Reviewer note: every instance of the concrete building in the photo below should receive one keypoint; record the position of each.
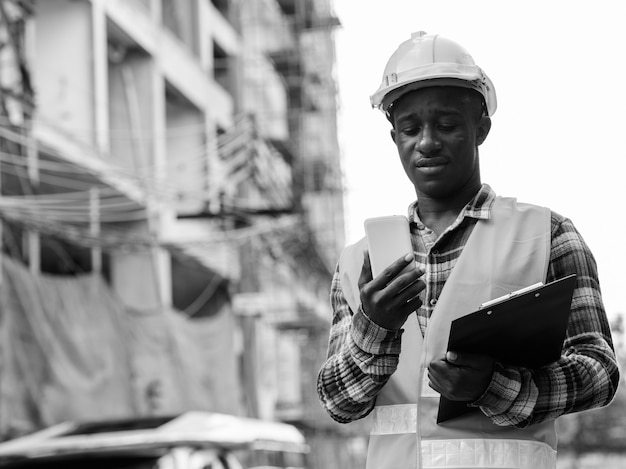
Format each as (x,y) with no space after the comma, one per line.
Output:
(185,153)
(113,141)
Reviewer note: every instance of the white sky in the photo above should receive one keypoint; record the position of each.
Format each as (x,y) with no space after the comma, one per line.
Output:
(558,138)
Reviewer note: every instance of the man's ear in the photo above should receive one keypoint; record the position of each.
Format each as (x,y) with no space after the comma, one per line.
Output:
(392,132)
(482,129)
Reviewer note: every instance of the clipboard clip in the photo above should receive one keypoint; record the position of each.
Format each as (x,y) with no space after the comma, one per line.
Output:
(508,296)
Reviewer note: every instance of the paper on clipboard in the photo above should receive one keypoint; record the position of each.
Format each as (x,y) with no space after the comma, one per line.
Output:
(511,295)
(525,329)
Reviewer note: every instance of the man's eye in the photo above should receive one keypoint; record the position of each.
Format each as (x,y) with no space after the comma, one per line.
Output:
(446,126)
(410,130)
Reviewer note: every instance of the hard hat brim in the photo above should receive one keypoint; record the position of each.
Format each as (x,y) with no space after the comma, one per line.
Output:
(394,95)
(478,81)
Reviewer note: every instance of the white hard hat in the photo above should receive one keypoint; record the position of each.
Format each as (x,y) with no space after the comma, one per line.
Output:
(431,60)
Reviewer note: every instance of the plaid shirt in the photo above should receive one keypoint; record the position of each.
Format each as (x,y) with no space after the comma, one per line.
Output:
(362,355)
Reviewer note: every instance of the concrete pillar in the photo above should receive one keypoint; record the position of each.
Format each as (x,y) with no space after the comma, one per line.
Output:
(141,279)
(63,71)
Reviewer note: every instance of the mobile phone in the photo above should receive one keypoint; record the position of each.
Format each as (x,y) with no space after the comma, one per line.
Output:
(388,238)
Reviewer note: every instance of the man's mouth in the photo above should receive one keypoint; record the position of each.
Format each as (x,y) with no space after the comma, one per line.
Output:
(431,165)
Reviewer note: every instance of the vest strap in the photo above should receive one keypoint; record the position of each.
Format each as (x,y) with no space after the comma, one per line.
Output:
(394,419)
(463,452)
(487,453)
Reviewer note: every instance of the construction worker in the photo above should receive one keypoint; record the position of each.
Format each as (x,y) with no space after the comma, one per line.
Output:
(467,243)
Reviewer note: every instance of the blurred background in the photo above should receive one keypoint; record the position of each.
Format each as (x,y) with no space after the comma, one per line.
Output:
(175,191)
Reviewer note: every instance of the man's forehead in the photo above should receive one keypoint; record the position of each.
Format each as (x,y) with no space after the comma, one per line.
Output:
(434,102)
(448,94)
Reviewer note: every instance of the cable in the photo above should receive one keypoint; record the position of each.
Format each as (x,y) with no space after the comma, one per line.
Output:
(254,158)
(204,296)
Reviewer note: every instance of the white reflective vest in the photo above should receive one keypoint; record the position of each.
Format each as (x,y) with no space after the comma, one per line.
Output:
(509,251)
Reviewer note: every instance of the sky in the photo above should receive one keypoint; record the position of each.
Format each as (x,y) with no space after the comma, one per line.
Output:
(558,137)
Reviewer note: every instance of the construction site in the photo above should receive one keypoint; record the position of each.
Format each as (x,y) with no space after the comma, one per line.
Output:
(171,205)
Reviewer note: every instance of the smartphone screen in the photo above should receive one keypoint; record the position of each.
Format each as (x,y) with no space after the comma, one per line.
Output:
(388,238)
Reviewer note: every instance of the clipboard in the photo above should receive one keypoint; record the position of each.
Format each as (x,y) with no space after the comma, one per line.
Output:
(525,328)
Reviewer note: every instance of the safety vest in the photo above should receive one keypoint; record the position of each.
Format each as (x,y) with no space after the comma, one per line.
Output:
(507,252)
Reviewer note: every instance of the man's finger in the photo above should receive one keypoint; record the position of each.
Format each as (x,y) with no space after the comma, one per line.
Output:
(406,284)
(406,288)
(469,360)
(391,272)
(366,270)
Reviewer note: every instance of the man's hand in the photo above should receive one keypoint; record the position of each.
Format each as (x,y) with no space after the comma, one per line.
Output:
(392,296)
(461,377)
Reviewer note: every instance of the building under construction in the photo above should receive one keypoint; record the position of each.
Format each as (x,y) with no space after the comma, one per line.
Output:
(172,207)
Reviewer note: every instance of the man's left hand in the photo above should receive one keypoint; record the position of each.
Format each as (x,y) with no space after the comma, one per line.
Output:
(461,376)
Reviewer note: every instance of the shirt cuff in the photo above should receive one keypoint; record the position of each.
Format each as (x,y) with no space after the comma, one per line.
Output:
(500,394)
(374,339)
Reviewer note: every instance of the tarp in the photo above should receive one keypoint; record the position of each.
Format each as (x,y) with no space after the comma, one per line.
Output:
(70,350)
(181,364)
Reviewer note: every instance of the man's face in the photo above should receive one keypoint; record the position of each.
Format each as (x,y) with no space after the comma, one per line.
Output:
(437,131)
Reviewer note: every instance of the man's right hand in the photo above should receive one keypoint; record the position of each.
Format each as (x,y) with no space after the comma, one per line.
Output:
(392,296)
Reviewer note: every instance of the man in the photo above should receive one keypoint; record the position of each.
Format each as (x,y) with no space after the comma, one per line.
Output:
(470,246)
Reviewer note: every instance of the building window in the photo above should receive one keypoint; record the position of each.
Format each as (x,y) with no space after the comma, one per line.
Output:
(222,6)
(181,18)
(222,68)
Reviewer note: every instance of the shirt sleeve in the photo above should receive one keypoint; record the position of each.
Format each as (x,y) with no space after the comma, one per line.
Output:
(587,375)
(361,358)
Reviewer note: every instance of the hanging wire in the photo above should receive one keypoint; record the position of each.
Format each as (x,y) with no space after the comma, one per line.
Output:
(204,296)
(242,155)
(237,144)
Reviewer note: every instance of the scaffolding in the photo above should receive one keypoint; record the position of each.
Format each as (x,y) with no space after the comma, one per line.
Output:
(16,110)
(288,79)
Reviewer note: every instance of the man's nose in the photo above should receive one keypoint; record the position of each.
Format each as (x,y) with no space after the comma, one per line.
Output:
(428,142)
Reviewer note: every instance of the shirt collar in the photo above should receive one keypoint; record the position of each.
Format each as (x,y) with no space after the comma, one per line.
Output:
(479,207)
